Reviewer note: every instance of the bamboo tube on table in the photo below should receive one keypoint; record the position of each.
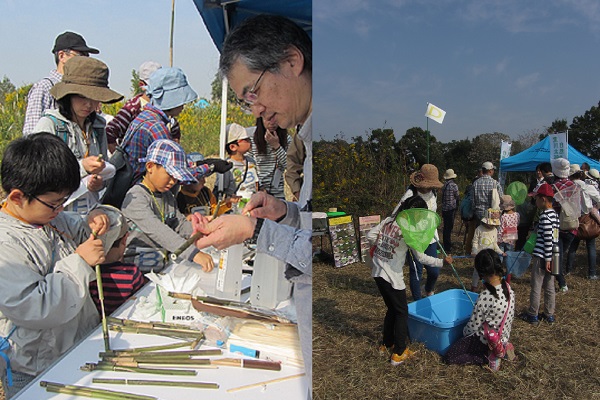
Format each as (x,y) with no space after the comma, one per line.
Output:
(92,392)
(149,382)
(89,367)
(246,363)
(120,353)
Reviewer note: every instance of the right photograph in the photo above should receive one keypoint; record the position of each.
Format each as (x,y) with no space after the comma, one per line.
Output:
(455,200)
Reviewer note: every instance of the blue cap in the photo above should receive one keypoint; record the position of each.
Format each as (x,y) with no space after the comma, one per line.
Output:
(172,158)
(168,88)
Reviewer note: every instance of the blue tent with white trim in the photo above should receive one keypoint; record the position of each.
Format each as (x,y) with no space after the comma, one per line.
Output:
(528,159)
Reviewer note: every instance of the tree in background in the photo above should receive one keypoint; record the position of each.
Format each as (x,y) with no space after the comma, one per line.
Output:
(6,87)
(217,88)
(414,144)
(584,131)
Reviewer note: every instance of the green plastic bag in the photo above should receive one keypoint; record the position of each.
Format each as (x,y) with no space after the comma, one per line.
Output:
(418,227)
(530,243)
(518,191)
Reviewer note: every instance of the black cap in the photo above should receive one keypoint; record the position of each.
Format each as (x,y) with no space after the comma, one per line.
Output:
(72,41)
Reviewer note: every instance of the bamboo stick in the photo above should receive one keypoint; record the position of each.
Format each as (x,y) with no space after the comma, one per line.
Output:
(246,363)
(159,364)
(253,385)
(92,392)
(89,367)
(200,385)
(151,348)
(173,333)
(207,352)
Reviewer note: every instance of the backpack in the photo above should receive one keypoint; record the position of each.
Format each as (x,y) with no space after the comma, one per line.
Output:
(570,206)
(467,208)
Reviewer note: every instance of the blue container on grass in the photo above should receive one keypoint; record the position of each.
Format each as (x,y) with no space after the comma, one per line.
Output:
(438,320)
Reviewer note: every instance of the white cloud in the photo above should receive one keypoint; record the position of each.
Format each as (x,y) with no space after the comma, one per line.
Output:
(527,81)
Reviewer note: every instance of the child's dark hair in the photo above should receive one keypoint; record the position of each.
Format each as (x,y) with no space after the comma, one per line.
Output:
(38,164)
(488,263)
(261,142)
(414,201)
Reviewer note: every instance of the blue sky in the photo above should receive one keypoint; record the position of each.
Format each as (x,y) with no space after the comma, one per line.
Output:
(507,66)
(127,33)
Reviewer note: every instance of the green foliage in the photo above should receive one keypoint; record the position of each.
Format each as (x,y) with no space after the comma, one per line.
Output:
(200,127)
(583,134)
(12,115)
(6,87)
(217,88)
(135,83)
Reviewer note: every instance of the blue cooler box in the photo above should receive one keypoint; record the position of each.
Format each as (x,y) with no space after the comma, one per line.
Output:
(438,320)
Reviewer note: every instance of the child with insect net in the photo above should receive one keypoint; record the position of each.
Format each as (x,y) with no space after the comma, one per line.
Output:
(388,255)
(486,335)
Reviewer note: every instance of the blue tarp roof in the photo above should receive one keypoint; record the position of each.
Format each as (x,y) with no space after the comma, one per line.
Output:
(528,159)
(300,11)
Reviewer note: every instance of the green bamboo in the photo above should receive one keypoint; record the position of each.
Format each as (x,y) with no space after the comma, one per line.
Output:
(92,392)
(101,297)
(173,333)
(200,385)
(177,345)
(208,352)
(158,360)
(89,367)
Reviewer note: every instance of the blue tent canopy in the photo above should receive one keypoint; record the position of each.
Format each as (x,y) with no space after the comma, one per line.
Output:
(213,13)
(528,159)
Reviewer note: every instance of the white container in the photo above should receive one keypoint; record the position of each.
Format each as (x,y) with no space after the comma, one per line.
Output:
(269,286)
(229,274)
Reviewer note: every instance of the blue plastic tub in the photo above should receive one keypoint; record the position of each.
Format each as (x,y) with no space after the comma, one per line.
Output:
(438,320)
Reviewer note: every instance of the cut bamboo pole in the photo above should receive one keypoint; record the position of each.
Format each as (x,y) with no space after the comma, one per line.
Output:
(92,392)
(150,382)
(246,363)
(89,367)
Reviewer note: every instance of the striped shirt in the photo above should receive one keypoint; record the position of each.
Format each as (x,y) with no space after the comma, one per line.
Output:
(271,167)
(547,234)
(39,100)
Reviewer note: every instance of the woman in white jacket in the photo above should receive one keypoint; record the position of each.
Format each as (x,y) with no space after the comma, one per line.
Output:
(388,255)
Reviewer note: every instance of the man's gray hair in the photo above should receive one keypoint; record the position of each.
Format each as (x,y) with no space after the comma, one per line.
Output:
(262,42)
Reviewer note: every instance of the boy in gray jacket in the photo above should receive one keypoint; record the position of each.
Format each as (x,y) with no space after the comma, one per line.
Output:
(47,257)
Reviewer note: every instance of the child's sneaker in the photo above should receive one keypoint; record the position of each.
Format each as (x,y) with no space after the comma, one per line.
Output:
(532,319)
(564,289)
(548,318)
(396,359)
(494,362)
(384,350)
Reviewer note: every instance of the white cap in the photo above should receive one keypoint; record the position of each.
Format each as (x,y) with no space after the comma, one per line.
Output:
(146,69)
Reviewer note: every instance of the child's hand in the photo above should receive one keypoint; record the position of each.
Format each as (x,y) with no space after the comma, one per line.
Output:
(205,260)
(91,251)
(549,266)
(96,183)
(98,222)
(448,260)
(503,254)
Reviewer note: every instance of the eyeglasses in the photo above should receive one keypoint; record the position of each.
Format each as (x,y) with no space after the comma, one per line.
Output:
(76,53)
(250,96)
(53,208)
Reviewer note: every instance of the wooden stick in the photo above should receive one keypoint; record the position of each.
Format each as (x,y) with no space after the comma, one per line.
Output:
(92,392)
(89,367)
(101,297)
(246,363)
(253,385)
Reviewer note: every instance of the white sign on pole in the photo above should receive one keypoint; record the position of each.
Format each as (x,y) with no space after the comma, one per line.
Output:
(505,148)
(558,146)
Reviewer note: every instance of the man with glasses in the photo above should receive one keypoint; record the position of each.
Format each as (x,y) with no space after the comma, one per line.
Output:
(268,61)
(66,46)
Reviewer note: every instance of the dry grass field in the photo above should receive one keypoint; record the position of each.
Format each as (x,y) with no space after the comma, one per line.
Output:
(560,361)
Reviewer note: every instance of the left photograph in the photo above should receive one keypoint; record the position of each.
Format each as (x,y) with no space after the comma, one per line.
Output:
(156,193)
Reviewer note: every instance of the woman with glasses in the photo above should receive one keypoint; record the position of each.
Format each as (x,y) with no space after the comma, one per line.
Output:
(83,87)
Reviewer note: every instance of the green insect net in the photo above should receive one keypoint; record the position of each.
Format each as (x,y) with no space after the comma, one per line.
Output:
(418,227)
(518,192)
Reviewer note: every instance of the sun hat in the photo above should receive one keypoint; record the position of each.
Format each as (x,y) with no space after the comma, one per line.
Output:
(172,157)
(146,69)
(168,88)
(487,166)
(236,132)
(507,202)
(594,173)
(193,159)
(544,189)
(491,217)
(72,41)
(87,77)
(449,174)
(573,169)
(560,167)
(426,177)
